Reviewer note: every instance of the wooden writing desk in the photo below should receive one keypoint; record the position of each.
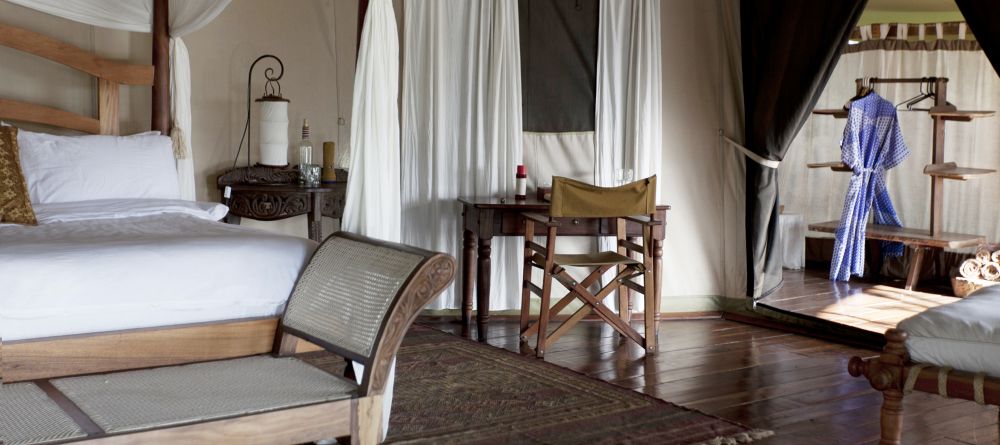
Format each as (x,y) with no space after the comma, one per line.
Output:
(484,218)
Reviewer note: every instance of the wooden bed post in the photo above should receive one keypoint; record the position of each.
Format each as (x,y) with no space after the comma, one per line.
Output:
(886,374)
(161,62)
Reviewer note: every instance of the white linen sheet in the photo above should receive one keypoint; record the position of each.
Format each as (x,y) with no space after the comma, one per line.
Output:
(107,266)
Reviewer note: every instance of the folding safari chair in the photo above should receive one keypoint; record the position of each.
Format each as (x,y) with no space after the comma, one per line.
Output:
(634,202)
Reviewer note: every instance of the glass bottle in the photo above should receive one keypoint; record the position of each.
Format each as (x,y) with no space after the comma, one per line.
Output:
(305,153)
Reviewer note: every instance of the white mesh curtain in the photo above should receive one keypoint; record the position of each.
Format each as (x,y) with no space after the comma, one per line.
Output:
(186,16)
(373,195)
(628,113)
(969,206)
(461,126)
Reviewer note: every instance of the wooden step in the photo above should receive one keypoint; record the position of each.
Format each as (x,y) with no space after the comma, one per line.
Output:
(961,115)
(838,113)
(836,166)
(949,170)
(910,237)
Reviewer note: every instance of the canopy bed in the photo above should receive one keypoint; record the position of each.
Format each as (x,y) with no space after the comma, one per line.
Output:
(108,284)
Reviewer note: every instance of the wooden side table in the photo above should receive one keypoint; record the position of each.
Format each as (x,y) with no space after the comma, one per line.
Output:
(273,193)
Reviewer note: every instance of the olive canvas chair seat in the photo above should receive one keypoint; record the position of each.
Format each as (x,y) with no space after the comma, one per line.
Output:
(635,203)
(356,298)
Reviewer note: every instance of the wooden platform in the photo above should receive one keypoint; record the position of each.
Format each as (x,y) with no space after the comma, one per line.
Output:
(857,304)
(794,385)
(914,237)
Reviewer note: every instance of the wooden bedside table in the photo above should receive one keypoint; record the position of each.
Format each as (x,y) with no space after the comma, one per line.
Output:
(273,193)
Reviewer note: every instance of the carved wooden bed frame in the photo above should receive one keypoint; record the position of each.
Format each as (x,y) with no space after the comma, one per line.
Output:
(139,348)
(894,374)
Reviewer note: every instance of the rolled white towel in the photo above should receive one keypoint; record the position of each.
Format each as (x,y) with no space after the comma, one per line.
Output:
(970,269)
(990,271)
(984,256)
(996,256)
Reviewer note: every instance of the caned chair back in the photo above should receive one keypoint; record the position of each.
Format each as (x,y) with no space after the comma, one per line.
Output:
(356,293)
(572,198)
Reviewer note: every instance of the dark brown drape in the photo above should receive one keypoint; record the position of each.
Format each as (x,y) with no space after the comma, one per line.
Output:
(789,50)
(983,17)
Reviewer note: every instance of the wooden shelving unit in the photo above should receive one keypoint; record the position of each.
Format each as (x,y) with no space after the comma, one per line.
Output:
(938,171)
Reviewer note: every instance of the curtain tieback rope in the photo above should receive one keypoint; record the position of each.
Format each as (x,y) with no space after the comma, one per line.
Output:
(746,151)
(180,145)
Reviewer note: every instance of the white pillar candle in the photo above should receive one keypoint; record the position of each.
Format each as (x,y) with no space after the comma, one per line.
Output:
(274,133)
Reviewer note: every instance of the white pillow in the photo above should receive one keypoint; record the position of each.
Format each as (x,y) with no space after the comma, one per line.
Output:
(83,168)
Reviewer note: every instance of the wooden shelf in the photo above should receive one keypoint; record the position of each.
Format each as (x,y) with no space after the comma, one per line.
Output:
(833,165)
(838,113)
(914,237)
(949,170)
(836,166)
(961,115)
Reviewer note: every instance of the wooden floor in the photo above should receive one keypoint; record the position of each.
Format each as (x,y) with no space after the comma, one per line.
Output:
(797,386)
(862,305)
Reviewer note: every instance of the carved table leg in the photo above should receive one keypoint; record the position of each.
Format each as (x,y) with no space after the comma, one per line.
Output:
(468,275)
(316,218)
(483,288)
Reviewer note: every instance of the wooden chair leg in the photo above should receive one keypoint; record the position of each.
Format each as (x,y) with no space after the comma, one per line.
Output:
(892,417)
(543,315)
(624,305)
(366,422)
(650,293)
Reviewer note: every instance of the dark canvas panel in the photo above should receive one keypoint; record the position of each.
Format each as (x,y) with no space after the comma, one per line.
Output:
(558,64)
(790,48)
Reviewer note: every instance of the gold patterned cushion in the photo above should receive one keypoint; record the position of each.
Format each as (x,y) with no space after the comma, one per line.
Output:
(15,206)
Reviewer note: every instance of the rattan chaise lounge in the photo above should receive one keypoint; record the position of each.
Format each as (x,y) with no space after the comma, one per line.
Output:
(951,350)
(356,298)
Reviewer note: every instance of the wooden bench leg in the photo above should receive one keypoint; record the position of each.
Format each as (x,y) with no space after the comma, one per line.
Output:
(916,263)
(366,423)
(892,417)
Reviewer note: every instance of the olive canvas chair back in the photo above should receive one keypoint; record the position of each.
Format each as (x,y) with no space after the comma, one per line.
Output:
(572,198)
(358,296)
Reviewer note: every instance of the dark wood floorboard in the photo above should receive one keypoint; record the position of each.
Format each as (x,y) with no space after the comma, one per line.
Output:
(859,304)
(797,386)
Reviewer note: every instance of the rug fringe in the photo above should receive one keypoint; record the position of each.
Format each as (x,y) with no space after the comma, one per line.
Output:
(744,437)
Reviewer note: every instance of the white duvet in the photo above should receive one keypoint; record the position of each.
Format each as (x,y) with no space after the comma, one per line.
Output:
(109,265)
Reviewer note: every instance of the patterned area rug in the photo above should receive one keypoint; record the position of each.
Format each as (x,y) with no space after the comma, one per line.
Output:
(450,390)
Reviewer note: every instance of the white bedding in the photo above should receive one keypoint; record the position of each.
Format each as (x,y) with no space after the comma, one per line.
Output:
(964,335)
(123,264)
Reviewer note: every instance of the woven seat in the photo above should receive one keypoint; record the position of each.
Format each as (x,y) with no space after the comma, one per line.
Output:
(357,297)
(175,395)
(28,416)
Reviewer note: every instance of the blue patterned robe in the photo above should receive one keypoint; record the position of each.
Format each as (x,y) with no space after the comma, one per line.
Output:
(872,144)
